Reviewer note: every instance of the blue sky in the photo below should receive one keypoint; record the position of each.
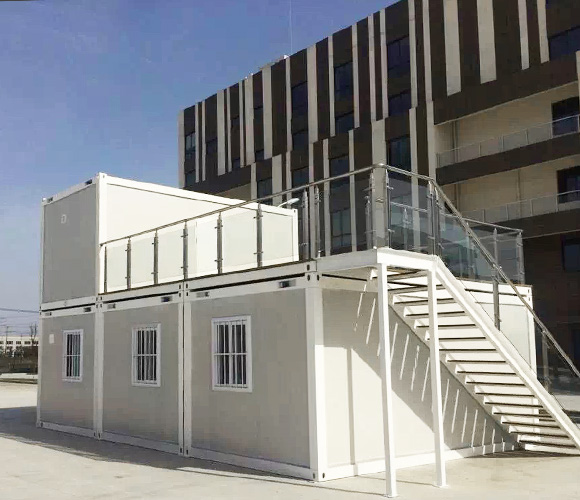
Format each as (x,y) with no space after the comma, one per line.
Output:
(89,86)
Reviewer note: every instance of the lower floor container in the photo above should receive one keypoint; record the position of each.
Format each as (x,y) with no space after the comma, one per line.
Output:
(275,369)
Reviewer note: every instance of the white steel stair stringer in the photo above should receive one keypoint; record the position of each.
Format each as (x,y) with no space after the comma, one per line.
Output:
(508,352)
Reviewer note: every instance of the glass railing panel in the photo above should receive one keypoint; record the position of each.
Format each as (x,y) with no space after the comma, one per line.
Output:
(515,140)
(491,146)
(240,237)
(116,266)
(202,246)
(564,126)
(142,260)
(540,133)
(280,240)
(170,253)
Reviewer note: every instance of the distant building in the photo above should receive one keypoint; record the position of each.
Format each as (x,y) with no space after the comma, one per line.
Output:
(10,343)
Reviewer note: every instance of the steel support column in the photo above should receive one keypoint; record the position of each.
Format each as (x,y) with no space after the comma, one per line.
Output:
(385,360)
(436,401)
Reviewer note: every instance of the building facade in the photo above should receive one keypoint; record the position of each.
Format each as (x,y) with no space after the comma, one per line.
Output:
(481,95)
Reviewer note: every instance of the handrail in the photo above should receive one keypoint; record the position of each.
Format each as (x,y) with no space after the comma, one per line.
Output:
(500,272)
(503,136)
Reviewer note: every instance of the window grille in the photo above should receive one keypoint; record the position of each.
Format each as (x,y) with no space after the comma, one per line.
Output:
(72,355)
(146,355)
(232,366)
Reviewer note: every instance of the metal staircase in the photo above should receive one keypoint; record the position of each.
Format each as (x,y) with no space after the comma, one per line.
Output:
(482,359)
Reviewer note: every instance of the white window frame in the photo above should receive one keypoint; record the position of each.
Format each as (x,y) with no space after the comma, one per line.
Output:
(134,379)
(65,336)
(248,387)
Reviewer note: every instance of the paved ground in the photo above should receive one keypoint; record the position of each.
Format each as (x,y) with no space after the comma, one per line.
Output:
(38,463)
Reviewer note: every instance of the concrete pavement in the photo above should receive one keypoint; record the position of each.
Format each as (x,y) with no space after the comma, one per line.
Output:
(39,463)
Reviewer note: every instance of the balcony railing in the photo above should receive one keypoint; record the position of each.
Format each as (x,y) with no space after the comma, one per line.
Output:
(377,206)
(560,202)
(532,135)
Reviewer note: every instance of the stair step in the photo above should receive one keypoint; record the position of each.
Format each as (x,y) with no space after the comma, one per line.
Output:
(500,384)
(543,425)
(411,289)
(456,349)
(542,418)
(462,339)
(424,302)
(446,314)
(478,361)
(542,434)
(570,443)
(505,395)
(474,372)
(515,405)
(551,448)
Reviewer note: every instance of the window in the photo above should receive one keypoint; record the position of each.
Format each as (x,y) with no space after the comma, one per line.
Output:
(565,43)
(569,185)
(300,177)
(190,146)
(259,155)
(399,103)
(211,147)
(565,116)
(231,349)
(300,139)
(27,342)
(264,188)
(344,123)
(339,204)
(235,163)
(72,358)
(398,57)
(189,178)
(18,342)
(146,355)
(343,83)
(571,254)
(300,99)
(399,153)
(235,122)
(259,114)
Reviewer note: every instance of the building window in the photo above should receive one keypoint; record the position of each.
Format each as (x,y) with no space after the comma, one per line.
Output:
(399,153)
(72,358)
(343,82)
(300,139)
(259,114)
(400,103)
(569,185)
(339,204)
(189,178)
(300,177)
(235,164)
(264,189)
(565,116)
(211,147)
(571,254)
(259,155)
(398,57)
(231,349)
(300,99)
(565,43)
(344,123)
(146,344)
(235,122)
(190,146)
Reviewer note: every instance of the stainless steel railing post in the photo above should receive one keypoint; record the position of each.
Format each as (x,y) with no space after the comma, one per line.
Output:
(219,241)
(259,241)
(128,277)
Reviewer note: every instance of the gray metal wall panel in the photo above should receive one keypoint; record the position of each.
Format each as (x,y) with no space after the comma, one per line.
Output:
(66,403)
(70,233)
(271,422)
(146,412)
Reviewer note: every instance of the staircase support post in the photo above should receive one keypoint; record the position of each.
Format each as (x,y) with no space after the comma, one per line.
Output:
(387,391)
(436,400)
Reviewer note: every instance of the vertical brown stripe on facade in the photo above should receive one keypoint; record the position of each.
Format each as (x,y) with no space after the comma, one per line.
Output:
(258,101)
(279,108)
(283,167)
(562,15)
(438,57)
(364,92)
(533,32)
(422,147)
(264,169)
(322,84)
(225,126)
(338,146)
(468,43)
(210,135)
(363,148)
(318,159)
(506,21)
(298,71)
(235,131)
(378,77)
(198,141)
(420,51)
(342,53)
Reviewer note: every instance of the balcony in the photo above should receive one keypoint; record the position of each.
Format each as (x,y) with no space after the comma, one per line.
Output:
(526,137)
(561,202)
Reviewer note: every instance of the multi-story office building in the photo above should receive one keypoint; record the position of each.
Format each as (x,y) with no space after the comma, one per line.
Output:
(480,94)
